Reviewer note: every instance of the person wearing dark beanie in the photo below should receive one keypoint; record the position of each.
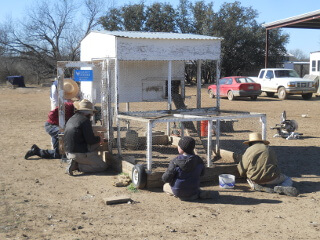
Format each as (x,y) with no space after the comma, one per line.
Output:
(182,178)
(187,144)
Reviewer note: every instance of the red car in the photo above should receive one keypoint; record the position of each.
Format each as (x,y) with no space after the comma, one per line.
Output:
(236,86)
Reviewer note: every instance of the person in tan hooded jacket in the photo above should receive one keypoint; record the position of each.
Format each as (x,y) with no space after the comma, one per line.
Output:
(259,165)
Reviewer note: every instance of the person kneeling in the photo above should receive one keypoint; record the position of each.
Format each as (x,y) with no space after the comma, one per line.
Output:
(182,178)
(81,143)
(259,165)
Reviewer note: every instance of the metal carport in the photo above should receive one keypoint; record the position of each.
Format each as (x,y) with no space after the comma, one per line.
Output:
(309,20)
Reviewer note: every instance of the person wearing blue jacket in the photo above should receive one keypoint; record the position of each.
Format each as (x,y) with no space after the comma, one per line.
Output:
(182,178)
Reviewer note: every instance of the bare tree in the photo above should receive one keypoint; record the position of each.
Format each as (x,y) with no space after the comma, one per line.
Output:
(50,32)
(299,55)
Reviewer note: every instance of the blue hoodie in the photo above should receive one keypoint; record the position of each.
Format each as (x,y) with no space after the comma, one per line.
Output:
(183,175)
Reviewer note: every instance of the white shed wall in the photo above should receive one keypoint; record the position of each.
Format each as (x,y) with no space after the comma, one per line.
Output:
(167,49)
(135,74)
(97,45)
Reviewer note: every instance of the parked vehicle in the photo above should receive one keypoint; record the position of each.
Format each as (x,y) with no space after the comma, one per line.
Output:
(284,82)
(236,86)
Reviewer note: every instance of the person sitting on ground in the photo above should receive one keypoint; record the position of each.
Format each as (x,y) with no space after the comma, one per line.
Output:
(182,178)
(52,128)
(259,165)
(81,144)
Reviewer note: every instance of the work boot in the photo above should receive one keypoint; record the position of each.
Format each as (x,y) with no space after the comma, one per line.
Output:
(261,188)
(35,150)
(72,167)
(289,191)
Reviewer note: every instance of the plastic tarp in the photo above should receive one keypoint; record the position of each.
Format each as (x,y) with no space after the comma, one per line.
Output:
(16,80)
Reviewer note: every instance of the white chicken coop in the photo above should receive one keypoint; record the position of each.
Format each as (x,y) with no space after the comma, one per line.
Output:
(132,67)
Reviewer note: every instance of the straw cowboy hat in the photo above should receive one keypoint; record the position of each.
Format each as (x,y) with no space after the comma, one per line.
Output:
(71,88)
(85,105)
(76,104)
(256,137)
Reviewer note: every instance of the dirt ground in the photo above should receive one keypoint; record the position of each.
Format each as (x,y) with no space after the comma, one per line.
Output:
(39,201)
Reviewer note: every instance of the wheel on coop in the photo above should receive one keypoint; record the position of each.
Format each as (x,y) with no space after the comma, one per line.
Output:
(139,176)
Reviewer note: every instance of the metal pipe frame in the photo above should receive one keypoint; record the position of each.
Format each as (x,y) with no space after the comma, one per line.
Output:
(187,118)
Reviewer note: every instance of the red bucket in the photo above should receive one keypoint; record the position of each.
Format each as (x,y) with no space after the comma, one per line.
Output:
(204,128)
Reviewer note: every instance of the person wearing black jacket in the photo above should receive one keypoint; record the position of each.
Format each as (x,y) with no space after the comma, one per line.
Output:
(182,178)
(80,142)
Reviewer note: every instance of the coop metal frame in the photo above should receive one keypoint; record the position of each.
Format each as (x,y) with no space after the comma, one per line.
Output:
(186,115)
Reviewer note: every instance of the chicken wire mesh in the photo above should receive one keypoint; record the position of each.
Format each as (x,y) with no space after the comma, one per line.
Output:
(143,87)
(164,146)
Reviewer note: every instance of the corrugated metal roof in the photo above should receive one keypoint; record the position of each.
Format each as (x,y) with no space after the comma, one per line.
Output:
(306,20)
(158,35)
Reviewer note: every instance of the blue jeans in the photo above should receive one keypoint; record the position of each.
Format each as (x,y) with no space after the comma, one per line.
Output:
(53,131)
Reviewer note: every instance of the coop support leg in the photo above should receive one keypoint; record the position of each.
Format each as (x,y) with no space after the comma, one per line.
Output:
(209,152)
(218,137)
(169,92)
(182,130)
(118,138)
(149,147)
(199,63)
(263,120)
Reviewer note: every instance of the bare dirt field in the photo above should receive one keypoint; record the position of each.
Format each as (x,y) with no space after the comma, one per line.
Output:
(39,201)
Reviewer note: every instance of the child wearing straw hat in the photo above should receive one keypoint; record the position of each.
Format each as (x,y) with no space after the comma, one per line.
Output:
(259,165)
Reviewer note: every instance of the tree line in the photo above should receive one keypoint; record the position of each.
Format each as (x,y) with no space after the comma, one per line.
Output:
(52,31)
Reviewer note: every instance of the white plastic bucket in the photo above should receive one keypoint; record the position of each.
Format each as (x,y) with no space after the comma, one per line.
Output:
(226,181)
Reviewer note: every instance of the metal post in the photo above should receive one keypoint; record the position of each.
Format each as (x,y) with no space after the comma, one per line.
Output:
(209,153)
(267,49)
(116,102)
(127,110)
(183,89)
(110,112)
(61,108)
(199,63)
(149,146)
(182,130)
(218,85)
(218,137)
(263,120)
(106,103)
(169,92)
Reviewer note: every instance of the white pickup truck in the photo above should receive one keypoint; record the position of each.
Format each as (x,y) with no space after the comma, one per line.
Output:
(284,82)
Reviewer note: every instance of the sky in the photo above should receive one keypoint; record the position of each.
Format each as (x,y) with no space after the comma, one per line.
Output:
(269,11)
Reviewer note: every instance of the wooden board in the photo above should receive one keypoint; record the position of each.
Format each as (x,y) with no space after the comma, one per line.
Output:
(116,200)
(127,168)
(154,180)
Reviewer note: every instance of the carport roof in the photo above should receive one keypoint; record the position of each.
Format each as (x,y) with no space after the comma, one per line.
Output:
(309,20)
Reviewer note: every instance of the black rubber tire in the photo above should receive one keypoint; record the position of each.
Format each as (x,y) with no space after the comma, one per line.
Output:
(306,96)
(139,176)
(230,96)
(282,94)
(270,94)
(211,94)
(253,98)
